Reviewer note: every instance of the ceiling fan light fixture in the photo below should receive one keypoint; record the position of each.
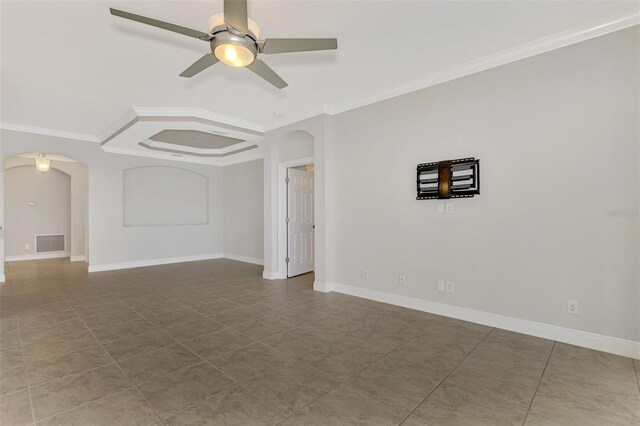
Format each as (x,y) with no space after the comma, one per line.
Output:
(233,38)
(43,164)
(234,55)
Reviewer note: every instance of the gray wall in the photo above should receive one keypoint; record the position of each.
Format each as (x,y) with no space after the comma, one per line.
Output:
(162,195)
(109,241)
(243,209)
(51,213)
(558,140)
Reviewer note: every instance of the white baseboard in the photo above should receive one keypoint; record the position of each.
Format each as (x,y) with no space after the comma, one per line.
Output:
(36,256)
(152,262)
(77,258)
(246,259)
(614,345)
(271,275)
(322,287)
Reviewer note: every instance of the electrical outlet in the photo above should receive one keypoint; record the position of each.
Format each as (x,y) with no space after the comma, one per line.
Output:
(27,246)
(365,274)
(402,279)
(450,287)
(449,208)
(572,307)
(440,285)
(440,208)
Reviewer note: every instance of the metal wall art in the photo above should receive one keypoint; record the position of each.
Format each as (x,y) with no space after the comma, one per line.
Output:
(448,179)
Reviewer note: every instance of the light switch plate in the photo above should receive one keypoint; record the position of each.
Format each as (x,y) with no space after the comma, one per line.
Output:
(441,285)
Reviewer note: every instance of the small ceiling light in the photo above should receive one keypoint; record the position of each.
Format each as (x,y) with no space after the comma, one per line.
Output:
(43,164)
(234,55)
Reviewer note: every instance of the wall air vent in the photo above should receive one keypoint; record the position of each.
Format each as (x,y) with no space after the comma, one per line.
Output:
(448,179)
(49,243)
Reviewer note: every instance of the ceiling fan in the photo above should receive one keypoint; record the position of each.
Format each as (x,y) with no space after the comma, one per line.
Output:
(233,38)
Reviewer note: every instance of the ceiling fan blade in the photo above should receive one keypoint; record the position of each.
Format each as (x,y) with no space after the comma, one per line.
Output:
(285,45)
(235,14)
(267,73)
(161,24)
(200,65)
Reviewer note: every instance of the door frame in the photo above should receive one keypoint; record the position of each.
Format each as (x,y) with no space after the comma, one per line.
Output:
(282,210)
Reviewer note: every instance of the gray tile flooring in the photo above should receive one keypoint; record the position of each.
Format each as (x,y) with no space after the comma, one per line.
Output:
(211,343)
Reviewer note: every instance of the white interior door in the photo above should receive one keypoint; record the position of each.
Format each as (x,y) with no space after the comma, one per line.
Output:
(300,227)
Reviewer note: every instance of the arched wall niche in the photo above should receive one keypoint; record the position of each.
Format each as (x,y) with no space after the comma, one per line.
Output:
(164,196)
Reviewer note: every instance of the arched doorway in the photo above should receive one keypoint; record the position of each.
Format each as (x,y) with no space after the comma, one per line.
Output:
(45,212)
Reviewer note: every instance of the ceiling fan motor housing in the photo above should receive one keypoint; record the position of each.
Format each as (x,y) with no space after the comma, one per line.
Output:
(225,36)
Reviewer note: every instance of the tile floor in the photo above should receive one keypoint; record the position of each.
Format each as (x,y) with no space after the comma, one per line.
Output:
(211,343)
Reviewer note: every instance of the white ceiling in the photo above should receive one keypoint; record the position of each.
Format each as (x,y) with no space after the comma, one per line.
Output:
(71,66)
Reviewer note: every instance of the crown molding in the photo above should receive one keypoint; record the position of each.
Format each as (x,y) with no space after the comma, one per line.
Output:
(556,41)
(163,156)
(121,122)
(254,154)
(198,113)
(48,132)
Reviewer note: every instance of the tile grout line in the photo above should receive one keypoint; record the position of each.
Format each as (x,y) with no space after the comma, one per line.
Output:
(236,384)
(637,370)
(447,376)
(539,381)
(204,361)
(26,373)
(242,383)
(113,359)
(84,404)
(68,375)
(351,376)
(101,366)
(162,420)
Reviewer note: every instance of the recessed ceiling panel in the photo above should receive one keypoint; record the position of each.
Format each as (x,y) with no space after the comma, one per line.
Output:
(194,139)
(184,134)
